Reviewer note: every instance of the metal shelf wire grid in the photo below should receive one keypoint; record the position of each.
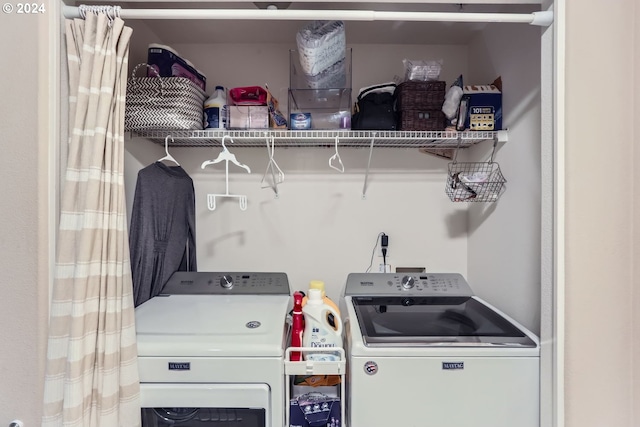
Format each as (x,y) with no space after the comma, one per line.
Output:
(319,138)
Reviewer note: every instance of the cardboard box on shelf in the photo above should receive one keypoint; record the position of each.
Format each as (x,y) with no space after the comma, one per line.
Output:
(248,117)
(484,106)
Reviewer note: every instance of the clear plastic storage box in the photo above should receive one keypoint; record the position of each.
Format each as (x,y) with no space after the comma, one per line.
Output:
(322,101)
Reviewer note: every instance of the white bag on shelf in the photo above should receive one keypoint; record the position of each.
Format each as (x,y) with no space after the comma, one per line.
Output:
(321,44)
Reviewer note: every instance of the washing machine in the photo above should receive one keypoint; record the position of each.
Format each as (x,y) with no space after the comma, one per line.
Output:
(423,350)
(211,350)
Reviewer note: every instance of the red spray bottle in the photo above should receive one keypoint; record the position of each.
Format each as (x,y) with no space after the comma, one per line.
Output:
(297,326)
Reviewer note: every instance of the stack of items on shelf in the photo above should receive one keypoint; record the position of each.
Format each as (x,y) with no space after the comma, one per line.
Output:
(320,78)
(316,323)
(253,107)
(414,104)
(171,95)
(168,63)
(420,97)
(474,107)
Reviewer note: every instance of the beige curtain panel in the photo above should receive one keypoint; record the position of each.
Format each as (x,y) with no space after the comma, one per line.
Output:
(91,374)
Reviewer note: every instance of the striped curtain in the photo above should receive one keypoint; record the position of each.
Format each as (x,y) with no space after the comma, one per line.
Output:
(91,373)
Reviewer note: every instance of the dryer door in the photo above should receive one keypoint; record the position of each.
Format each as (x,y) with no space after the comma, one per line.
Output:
(201,405)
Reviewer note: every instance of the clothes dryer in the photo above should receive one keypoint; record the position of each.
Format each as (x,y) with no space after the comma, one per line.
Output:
(423,350)
(211,350)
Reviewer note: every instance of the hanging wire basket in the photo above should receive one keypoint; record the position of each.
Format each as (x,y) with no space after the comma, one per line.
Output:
(475,181)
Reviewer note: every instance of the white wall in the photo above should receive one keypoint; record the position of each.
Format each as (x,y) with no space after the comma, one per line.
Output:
(601,265)
(23,286)
(504,238)
(320,227)
(635,279)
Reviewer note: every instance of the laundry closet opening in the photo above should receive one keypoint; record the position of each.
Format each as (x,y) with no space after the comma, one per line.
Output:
(321,223)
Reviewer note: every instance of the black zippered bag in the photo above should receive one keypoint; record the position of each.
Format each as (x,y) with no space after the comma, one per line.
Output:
(375,110)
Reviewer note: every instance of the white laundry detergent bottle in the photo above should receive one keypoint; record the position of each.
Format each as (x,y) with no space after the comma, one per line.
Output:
(318,331)
(215,110)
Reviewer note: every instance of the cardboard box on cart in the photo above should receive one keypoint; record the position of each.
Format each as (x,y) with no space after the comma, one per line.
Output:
(315,410)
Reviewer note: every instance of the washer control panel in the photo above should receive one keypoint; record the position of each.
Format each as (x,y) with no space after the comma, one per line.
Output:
(423,284)
(231,283)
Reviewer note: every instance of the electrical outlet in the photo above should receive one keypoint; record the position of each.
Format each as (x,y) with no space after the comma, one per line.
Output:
(385,268)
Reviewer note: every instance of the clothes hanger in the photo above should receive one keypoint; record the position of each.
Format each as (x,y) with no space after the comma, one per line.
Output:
(336,156)
(168,157)
(272,166)
(227,156)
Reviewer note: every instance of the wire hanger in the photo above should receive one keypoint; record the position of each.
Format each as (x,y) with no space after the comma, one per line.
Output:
(168,156)
(336,156)
(227,156)
(272,166)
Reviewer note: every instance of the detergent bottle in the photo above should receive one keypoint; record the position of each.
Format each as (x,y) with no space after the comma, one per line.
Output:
(319,284)
(318,332)
(297,326)
(215,110)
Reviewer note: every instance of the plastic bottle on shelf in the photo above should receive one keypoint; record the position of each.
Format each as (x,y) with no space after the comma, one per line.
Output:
(318,332)
(297,326)
(216,110)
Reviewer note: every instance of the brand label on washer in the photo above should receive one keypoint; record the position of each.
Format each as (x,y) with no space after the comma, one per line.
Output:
(182,366)
(253,324)
(370,367)
(452,365)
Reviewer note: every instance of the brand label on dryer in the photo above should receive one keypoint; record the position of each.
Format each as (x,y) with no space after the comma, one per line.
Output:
(182,366)
(452,365)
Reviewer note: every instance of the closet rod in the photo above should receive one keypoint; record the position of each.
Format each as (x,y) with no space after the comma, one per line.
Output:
(542,18)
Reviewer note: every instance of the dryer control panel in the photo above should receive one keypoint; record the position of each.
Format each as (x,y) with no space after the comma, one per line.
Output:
(229,283)
(423,284)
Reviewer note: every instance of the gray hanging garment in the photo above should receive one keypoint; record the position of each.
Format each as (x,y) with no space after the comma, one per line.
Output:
(162,233)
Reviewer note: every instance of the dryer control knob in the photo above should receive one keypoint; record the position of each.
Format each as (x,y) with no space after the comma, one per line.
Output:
(226,281)
(408,282)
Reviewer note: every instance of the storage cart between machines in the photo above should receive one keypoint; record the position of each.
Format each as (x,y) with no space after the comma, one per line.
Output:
(324,406)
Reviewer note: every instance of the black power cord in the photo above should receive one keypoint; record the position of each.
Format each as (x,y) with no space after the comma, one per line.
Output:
(373,252)
(384,243)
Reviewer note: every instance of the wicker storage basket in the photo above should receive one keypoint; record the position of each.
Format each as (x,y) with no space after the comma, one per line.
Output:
(413,95)
(163,103)
(421,120)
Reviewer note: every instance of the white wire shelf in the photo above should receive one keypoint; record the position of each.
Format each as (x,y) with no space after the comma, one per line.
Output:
(323,138)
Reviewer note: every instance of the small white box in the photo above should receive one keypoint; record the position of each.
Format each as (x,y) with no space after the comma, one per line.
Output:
(248,117)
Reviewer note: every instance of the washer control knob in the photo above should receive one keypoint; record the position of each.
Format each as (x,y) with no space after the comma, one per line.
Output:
(408,282)
(226,281)
(407,302)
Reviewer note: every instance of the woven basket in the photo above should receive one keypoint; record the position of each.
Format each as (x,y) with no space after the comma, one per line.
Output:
(421,120)
(163,103)
(413,95)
